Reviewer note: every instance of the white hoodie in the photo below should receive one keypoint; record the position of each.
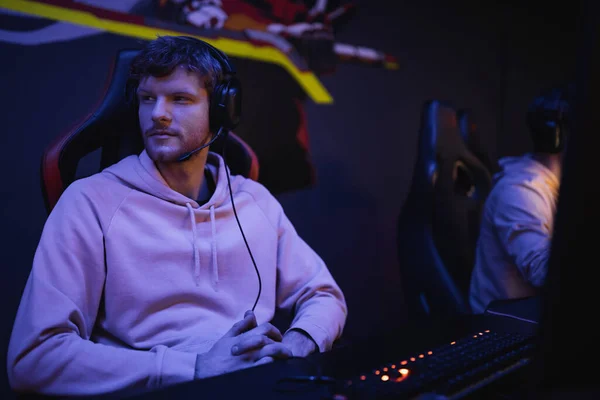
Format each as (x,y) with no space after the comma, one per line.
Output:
(516,229)
(131,280)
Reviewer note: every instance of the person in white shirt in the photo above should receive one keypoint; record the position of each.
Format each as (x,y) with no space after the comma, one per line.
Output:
(516,230)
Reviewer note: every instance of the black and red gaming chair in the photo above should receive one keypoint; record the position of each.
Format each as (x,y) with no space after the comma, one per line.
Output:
(439,223)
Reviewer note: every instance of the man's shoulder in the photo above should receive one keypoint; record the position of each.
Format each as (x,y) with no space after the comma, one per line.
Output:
(522,171)
(98,182)
(97,190)
(524,194)
(254,188)
(513,191)
(523,183)
(262,198)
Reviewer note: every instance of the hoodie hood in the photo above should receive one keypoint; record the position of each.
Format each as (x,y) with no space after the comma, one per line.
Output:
(140,172)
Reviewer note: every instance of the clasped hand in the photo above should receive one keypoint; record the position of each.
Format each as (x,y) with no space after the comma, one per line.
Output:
(245,345)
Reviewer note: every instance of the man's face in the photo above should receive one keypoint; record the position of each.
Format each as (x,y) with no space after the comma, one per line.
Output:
(173,113)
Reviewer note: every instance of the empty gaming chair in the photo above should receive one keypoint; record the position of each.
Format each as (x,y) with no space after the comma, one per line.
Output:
(439,223)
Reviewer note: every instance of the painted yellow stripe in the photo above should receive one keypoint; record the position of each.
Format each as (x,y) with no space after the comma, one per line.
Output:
(391,65)
(235,48)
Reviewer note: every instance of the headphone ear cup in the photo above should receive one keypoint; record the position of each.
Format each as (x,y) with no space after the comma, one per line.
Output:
(554,135)
(233,99)
(561,136)
(215,113)
(547,126)
(226,105)
(557,142)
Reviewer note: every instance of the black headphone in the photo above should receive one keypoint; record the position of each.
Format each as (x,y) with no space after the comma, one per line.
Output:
(548,119)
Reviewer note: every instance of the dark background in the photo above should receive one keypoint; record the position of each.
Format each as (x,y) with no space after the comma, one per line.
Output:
(491,58)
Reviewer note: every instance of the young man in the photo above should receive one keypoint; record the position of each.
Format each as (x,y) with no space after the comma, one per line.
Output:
(518,218)
(142,277)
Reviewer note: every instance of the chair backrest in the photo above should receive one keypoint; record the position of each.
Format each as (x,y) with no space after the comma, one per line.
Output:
(438,226)
(112,129)
(472,137)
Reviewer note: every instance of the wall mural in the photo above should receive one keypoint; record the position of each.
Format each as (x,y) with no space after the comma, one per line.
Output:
(280,47)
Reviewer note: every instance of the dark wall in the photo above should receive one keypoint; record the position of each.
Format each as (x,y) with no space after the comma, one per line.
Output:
(490,58)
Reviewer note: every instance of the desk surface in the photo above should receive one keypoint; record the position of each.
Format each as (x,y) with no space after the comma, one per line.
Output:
(270,381)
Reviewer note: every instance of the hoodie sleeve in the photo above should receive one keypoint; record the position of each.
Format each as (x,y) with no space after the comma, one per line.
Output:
(50,350)
(306,287)
(523,221)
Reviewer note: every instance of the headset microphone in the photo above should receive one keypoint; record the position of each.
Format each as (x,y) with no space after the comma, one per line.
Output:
(187,155)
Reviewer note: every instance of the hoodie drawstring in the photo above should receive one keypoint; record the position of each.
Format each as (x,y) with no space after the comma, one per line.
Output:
(196,270)
(214,266)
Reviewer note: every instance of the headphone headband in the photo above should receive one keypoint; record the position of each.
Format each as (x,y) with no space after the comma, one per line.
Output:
(216,53)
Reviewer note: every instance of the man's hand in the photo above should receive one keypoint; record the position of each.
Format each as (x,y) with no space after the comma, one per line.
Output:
(245,345)
(299,343)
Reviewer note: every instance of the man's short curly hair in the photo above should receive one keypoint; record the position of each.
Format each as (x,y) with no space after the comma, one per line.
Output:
(162,55)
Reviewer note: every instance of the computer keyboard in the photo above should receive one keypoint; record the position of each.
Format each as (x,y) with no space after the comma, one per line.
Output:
(453,369)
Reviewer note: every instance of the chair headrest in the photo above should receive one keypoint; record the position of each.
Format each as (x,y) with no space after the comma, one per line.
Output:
(444,153)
